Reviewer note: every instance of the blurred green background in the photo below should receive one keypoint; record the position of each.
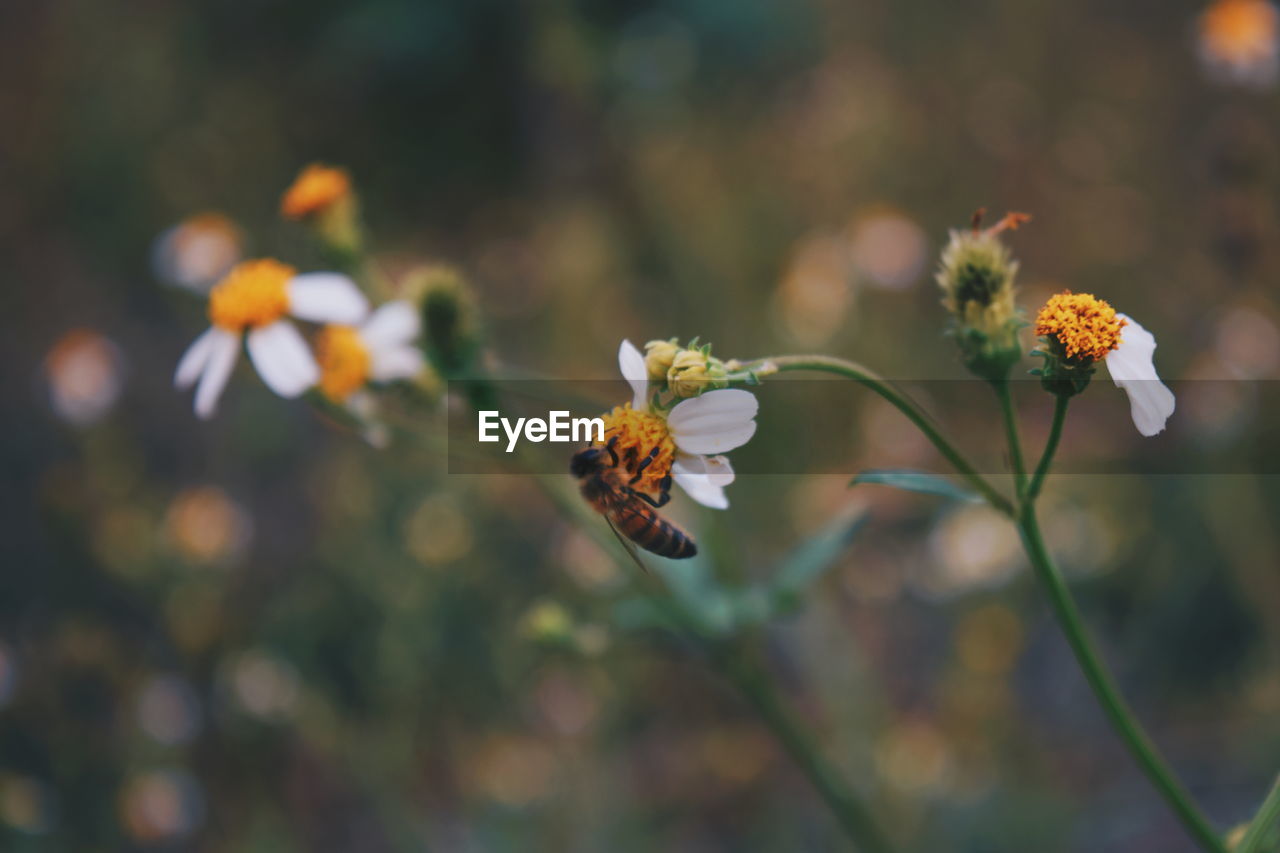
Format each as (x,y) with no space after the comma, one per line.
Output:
(259,634)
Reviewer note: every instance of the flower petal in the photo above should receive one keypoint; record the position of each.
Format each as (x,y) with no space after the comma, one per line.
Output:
(631,364)
(689,472)
(391,324)
(223,352)
(326,297)
(282,358)
(716,422)
(400,362)
(1132,367)
(193,361)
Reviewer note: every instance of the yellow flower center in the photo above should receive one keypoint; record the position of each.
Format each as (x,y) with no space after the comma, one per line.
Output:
(1239,30)
(1086,327)
(254,293)
(344,362)
(314,190)
(635,435)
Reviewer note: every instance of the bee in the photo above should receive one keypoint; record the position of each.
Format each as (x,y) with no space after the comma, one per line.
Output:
(607,484)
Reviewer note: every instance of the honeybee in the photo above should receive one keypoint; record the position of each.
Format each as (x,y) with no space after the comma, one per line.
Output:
(607,482)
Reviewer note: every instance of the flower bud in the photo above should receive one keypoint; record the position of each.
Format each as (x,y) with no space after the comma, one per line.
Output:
(694,371)
(976,276)
(658,358)
(323,197)
(450,325)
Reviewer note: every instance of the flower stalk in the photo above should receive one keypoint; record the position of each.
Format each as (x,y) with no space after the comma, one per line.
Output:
(1104,687)
(1263,822)
(900,401)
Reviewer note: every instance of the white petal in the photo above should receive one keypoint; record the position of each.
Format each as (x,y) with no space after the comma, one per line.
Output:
(716,422)
(719,471)
(1132,367)
(689,472)
(393,323)
(326,297)
(223,353)
(631,363)
(282,358)
(193,361)
(390,363)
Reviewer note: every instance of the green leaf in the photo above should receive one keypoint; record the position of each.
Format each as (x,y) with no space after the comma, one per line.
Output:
(915,481)
(813,558)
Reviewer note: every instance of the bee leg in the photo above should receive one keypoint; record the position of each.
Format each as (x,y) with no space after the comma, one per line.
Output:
(664,494)
(644,463)
(613,454)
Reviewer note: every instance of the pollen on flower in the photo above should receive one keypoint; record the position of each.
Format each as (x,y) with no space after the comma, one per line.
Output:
(343,360)
(254,293)
(1087,328)
(314,190)
(634,435)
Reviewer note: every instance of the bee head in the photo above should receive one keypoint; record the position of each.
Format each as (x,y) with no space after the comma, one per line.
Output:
(586,461)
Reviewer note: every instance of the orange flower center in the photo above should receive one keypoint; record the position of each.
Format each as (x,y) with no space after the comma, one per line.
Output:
(254,293)
(635,435)
(1086,328)
(316,189)
(344,362)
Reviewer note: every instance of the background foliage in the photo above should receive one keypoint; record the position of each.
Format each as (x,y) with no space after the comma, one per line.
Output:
(261,634)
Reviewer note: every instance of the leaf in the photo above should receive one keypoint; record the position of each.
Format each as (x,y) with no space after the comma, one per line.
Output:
(813,558)
(915,481)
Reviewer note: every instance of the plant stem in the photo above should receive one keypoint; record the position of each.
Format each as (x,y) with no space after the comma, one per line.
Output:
(758,690)
(854,817)
(1011,432)
(1266,818)
(1050,447)
(1104,688)
(858,373)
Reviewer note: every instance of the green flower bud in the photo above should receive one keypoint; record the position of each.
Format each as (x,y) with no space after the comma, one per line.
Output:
(693,371)
(976,275)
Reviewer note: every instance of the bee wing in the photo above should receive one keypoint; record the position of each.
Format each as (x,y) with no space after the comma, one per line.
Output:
(628,545)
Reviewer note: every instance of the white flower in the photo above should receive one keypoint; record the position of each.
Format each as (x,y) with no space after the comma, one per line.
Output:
(380,349)
(701,428)
(1132,368)
(197,252)
(253,301)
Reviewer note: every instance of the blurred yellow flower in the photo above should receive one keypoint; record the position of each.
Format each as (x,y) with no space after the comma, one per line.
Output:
(316,189)
(1238,41)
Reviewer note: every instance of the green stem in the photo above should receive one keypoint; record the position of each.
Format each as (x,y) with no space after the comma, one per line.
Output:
(1263,822)
(1105,689)
(758,690)
(1050,447)
(853,815)
(904,404)
(1011,432)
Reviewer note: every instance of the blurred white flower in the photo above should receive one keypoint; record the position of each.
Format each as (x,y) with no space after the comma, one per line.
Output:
(86,374)
(381,349)
(197,251)
(253,301)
